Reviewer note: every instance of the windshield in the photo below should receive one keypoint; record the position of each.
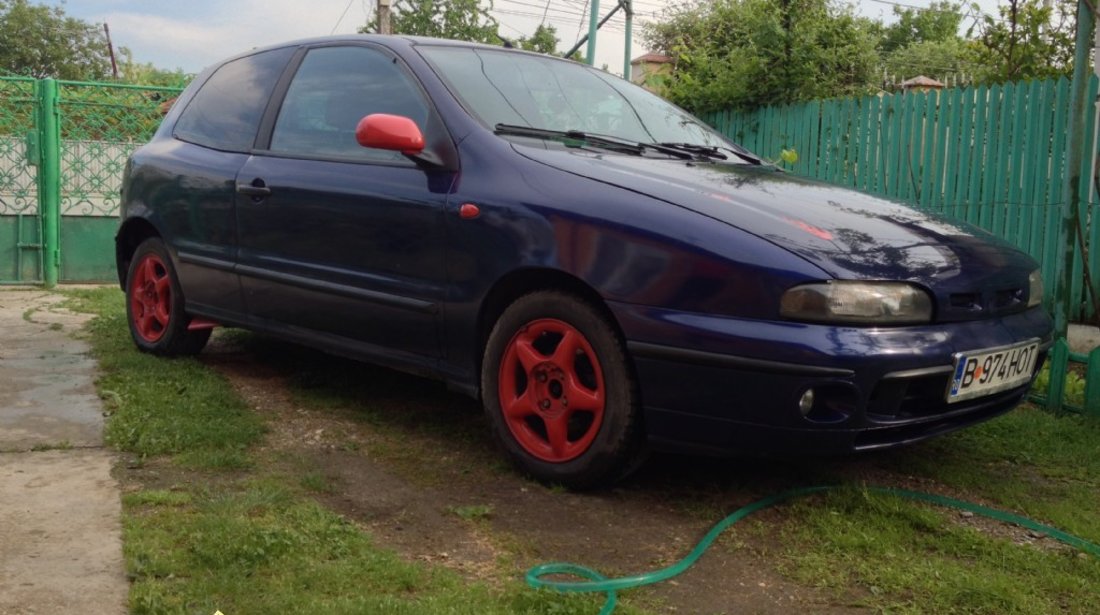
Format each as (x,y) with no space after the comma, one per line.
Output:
(518,89)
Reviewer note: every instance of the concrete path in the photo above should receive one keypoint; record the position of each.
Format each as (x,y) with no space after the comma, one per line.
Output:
(60,532)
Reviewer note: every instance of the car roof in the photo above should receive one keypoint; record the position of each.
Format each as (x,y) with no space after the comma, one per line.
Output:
(390,40)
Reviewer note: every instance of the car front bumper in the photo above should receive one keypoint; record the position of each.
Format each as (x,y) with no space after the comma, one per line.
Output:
(727,385)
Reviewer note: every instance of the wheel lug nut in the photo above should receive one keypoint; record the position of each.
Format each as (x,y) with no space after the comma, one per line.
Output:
(545,404)
(541,376)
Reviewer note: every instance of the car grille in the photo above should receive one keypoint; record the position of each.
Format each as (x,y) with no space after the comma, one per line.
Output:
(966,413)
(923,399)
(984,304)
(916,396)
(908,397)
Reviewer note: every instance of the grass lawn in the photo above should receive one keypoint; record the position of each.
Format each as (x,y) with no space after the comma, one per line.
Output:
(227,532)
(231,528)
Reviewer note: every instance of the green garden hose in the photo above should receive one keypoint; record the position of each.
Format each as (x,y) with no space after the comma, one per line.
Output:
(597,583)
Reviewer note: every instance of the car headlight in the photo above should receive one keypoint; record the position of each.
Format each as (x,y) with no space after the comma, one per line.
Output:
(870,303)
(1034,289)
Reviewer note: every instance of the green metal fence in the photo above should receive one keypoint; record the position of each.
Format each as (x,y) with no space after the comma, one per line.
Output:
(993,156)
(63,148)
(20,231)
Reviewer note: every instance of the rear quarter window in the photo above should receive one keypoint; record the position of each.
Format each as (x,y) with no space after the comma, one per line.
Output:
(225,113)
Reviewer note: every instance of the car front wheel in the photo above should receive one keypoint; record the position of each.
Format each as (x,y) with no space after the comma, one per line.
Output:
(558,391)
(154,304)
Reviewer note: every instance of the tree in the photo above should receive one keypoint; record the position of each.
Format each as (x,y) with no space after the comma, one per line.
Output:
(939,59)
(42,41)
(145,73)
(464,20)
(926,42)
(748,53)
(544,40)
(938,23)
(1030,40)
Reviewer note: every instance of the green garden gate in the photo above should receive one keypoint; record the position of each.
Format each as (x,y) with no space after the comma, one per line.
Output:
(20,227)
(63,148)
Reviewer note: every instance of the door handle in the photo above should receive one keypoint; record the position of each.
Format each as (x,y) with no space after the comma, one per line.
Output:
(257,189)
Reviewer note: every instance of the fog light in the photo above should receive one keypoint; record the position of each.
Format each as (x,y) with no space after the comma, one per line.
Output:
(829,403)
(806,403)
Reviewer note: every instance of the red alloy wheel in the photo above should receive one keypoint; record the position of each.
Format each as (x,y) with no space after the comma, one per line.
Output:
(551,390)
(151,298)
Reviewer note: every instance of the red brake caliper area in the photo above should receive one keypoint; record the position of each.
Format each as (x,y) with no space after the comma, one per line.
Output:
(151,298)
(552,390)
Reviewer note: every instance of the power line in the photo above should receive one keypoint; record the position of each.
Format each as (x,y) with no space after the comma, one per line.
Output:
(546,9)
(350,2)
(580,25)
(514,29)
(913,6)
(934,9)
(556,19)
(559,23)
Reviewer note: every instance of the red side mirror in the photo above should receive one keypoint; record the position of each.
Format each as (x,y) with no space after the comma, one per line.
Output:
(390,132)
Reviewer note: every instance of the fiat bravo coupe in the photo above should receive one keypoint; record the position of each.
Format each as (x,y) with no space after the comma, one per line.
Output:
(604,272)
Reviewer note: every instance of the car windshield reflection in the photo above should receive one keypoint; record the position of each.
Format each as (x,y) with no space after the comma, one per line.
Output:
(502,87)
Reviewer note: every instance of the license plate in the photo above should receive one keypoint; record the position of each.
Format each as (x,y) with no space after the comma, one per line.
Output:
(989,370)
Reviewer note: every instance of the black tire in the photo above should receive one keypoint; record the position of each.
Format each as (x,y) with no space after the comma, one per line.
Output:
(603,450)
(151,273)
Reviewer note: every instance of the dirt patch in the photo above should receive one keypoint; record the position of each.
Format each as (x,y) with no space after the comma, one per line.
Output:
(402,476)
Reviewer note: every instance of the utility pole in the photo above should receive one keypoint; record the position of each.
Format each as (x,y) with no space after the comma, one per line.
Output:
(1075,155)
(593,25)
(1096,133)
(628,6)
(384,24)
(111,50)
(49,178)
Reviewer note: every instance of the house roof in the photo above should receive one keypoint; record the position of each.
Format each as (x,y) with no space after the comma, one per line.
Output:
(920,81)
(652,58)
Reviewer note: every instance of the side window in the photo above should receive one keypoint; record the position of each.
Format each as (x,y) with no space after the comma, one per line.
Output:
(334,88)
(226,112)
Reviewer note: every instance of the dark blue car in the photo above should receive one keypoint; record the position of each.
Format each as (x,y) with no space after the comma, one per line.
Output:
(606,273)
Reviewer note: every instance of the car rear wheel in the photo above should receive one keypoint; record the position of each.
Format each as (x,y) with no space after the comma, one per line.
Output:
(154,304)
(558,392)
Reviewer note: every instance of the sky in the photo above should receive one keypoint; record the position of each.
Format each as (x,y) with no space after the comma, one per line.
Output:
(191,34)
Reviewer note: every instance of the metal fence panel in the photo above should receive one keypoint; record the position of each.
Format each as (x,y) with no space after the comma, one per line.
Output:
(101,125)
(20,233)
(63,149)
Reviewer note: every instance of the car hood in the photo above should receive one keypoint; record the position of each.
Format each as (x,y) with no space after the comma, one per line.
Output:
(848,234)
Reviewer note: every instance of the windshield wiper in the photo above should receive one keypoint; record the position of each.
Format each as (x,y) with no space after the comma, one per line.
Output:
(712,151)
(608,142)
(683,151)
(706,151)
(568,135)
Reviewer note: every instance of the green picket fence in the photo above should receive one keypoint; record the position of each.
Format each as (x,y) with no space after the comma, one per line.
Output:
(991,156)
(63,149)
(1057,396)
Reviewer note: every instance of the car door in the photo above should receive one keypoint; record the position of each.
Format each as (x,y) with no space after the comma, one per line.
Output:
(189,180)
(337,240)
